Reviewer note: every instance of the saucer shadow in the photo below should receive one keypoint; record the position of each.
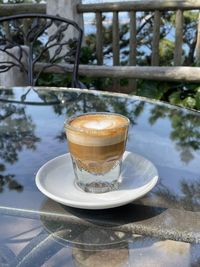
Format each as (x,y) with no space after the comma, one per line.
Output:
(93,229)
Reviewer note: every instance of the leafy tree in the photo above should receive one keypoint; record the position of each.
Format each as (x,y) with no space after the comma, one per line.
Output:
(187,95)
(174,92)
(188,199)
(16,132)
(185,129)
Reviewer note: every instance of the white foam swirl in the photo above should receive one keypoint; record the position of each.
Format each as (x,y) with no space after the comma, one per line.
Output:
(99,125)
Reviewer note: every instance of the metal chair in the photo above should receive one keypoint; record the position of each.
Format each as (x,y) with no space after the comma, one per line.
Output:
(34,43)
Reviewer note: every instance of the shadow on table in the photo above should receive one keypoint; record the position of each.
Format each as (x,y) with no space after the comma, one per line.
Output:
(94,229)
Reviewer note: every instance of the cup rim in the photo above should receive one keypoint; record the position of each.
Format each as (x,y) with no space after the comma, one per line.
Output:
(68,126)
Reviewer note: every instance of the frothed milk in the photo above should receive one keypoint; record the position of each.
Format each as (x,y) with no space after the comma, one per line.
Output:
(97,141)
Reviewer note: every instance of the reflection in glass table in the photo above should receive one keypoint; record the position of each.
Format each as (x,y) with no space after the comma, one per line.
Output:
(160,229)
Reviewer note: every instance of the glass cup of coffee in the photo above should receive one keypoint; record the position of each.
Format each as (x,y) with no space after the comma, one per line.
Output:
(96,143)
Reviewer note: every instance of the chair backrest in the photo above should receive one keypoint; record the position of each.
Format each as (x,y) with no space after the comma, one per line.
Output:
(28,39)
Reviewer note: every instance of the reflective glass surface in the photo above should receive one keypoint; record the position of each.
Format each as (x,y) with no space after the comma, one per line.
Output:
(162,226)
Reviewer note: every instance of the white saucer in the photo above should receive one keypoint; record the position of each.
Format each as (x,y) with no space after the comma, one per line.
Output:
(55,179)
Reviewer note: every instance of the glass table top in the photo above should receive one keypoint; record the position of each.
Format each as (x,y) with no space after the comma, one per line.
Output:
(166,221)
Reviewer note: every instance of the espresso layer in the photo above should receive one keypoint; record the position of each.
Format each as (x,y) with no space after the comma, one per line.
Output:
(97,160)
(92,153)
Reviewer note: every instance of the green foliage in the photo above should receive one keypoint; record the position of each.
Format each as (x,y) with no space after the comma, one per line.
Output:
(175,98)
(152,89)
(187,95)
(166,51)
(87,55)
(197,98)
(189,102)
(54,79)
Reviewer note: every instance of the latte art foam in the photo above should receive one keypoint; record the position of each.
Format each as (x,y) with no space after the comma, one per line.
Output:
(97,129)
(98,125)
(99,122)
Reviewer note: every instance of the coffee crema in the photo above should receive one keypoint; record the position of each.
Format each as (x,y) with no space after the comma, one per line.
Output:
(97,141)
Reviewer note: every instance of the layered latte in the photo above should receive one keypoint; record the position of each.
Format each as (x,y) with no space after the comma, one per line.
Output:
(97,140)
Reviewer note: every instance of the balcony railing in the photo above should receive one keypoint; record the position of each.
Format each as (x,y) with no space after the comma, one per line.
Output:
(154,72)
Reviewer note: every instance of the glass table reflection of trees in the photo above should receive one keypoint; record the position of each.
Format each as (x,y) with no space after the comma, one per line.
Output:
(162,226)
